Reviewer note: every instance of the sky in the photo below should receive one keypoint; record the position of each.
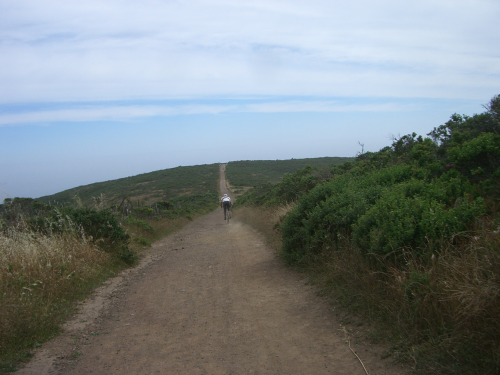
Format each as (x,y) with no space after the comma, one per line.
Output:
(102,89)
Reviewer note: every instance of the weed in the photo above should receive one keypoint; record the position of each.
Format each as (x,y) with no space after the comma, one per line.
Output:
(138,223)
(142,241)
(128,256)
(75,355)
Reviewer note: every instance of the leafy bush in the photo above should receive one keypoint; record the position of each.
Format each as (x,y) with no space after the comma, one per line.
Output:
(145,211)
(128,256)
(292,187)
(410,216)
(331,209)
(296,184)
(416,194)
(479,158)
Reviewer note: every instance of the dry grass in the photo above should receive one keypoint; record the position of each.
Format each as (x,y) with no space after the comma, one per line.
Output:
(441,314)
(43,275)
(40,277)
(266,221)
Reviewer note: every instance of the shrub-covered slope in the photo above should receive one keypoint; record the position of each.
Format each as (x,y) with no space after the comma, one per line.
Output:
(256,172)
(417,194)
(147,188)
(409,235)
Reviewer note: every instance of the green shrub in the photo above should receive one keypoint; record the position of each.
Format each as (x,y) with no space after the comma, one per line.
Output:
(479,158)
(331,209)
(294,185)
(408,216)
(102,227)
(145,211)
(128,256)
(139,223)
(259,195)
(142,241)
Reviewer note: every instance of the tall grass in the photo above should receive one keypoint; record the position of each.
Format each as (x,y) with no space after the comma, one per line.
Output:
(441,314)
(40,276)
(266,220)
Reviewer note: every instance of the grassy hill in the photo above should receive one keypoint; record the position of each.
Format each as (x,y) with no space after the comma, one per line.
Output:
(162,185)
(174,183)
(256,172)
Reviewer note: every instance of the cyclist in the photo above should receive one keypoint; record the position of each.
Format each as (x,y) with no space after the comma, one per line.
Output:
(225,202)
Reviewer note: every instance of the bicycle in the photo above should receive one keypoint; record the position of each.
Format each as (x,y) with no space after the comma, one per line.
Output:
(228,215)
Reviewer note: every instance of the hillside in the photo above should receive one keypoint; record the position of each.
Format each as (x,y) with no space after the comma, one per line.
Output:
(168,184)
(256,172)
(149,187)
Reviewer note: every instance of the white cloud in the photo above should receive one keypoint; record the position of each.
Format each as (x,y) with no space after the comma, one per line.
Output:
(57,50)
(133,112)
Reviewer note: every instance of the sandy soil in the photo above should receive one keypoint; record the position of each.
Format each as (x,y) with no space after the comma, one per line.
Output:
(210,299)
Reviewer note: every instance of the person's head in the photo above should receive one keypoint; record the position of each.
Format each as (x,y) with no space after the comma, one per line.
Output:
(225,195)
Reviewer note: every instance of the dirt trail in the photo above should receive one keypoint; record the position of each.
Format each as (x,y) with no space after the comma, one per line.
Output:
(210,299)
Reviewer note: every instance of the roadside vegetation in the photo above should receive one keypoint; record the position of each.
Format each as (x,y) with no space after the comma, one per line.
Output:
(54,255)
(408,238)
